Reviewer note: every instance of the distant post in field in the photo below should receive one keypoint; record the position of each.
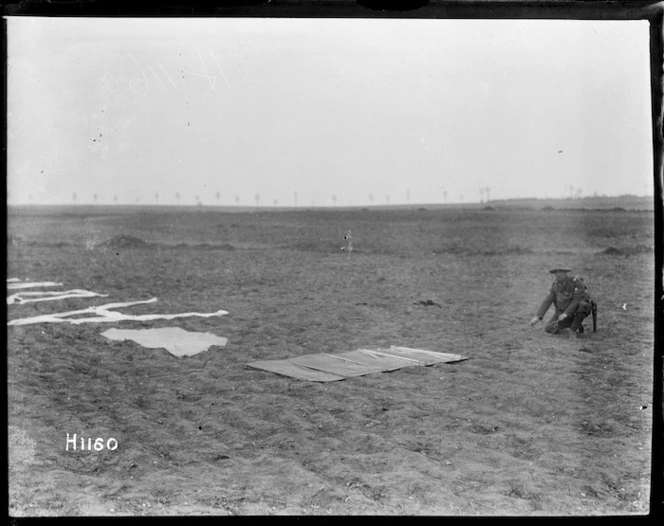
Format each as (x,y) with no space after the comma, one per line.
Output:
(257,198)
(217,195)
(156,197)
(95,198)
(177,197)
(237,200)
(334,199)
(295,198)
(74,197)
(371,198)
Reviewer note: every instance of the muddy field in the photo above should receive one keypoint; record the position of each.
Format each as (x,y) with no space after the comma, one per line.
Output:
(531,424)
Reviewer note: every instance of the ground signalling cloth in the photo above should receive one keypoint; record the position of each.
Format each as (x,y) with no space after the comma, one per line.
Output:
(175,340)
(106,314)
(326,367)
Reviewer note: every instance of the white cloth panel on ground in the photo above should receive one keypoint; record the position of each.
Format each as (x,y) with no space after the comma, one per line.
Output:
(324,367)
(17,286)
(175,340)
(29,297)
(104,314)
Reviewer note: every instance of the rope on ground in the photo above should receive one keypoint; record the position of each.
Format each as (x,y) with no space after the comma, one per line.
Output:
(513,336)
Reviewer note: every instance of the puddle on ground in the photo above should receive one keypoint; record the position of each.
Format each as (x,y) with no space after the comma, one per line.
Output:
(175,340)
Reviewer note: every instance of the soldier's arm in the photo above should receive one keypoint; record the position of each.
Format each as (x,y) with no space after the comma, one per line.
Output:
(581,291)
(546,304)
(580,294)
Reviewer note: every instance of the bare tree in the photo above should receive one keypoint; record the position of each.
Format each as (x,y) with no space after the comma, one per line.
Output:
(387,198)
(487,191)
(461,197)
(95,197)
(275,202)
(156,197)
(177,197)
(481,195)
(217,195)
(445,195)
(74,196)
(334,199)
(115,199)
(371,198)
(237,200)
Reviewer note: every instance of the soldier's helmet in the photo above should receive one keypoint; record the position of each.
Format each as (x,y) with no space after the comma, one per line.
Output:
(559,269)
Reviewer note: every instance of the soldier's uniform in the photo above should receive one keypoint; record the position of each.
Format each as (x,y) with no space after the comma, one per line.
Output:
(570,297)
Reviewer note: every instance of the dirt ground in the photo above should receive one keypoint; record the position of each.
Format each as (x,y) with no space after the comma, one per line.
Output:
(531,424)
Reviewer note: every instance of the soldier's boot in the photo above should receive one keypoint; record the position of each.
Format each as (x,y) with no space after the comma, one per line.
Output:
(556,327)
(577,323)
(552,326)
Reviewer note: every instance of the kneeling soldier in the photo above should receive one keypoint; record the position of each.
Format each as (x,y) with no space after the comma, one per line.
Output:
(570,297)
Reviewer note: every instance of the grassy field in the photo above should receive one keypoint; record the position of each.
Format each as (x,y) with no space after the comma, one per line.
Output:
(531,424)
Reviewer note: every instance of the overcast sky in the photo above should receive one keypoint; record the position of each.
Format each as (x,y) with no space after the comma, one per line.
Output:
(323,112)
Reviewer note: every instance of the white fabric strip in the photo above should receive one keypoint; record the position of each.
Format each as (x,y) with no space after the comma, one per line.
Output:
(15,286)
(28,297)
(103,314)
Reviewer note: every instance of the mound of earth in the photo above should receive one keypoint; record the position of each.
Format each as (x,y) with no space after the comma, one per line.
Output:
(123,241)
(428,303)
(205,246)
(612,251)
